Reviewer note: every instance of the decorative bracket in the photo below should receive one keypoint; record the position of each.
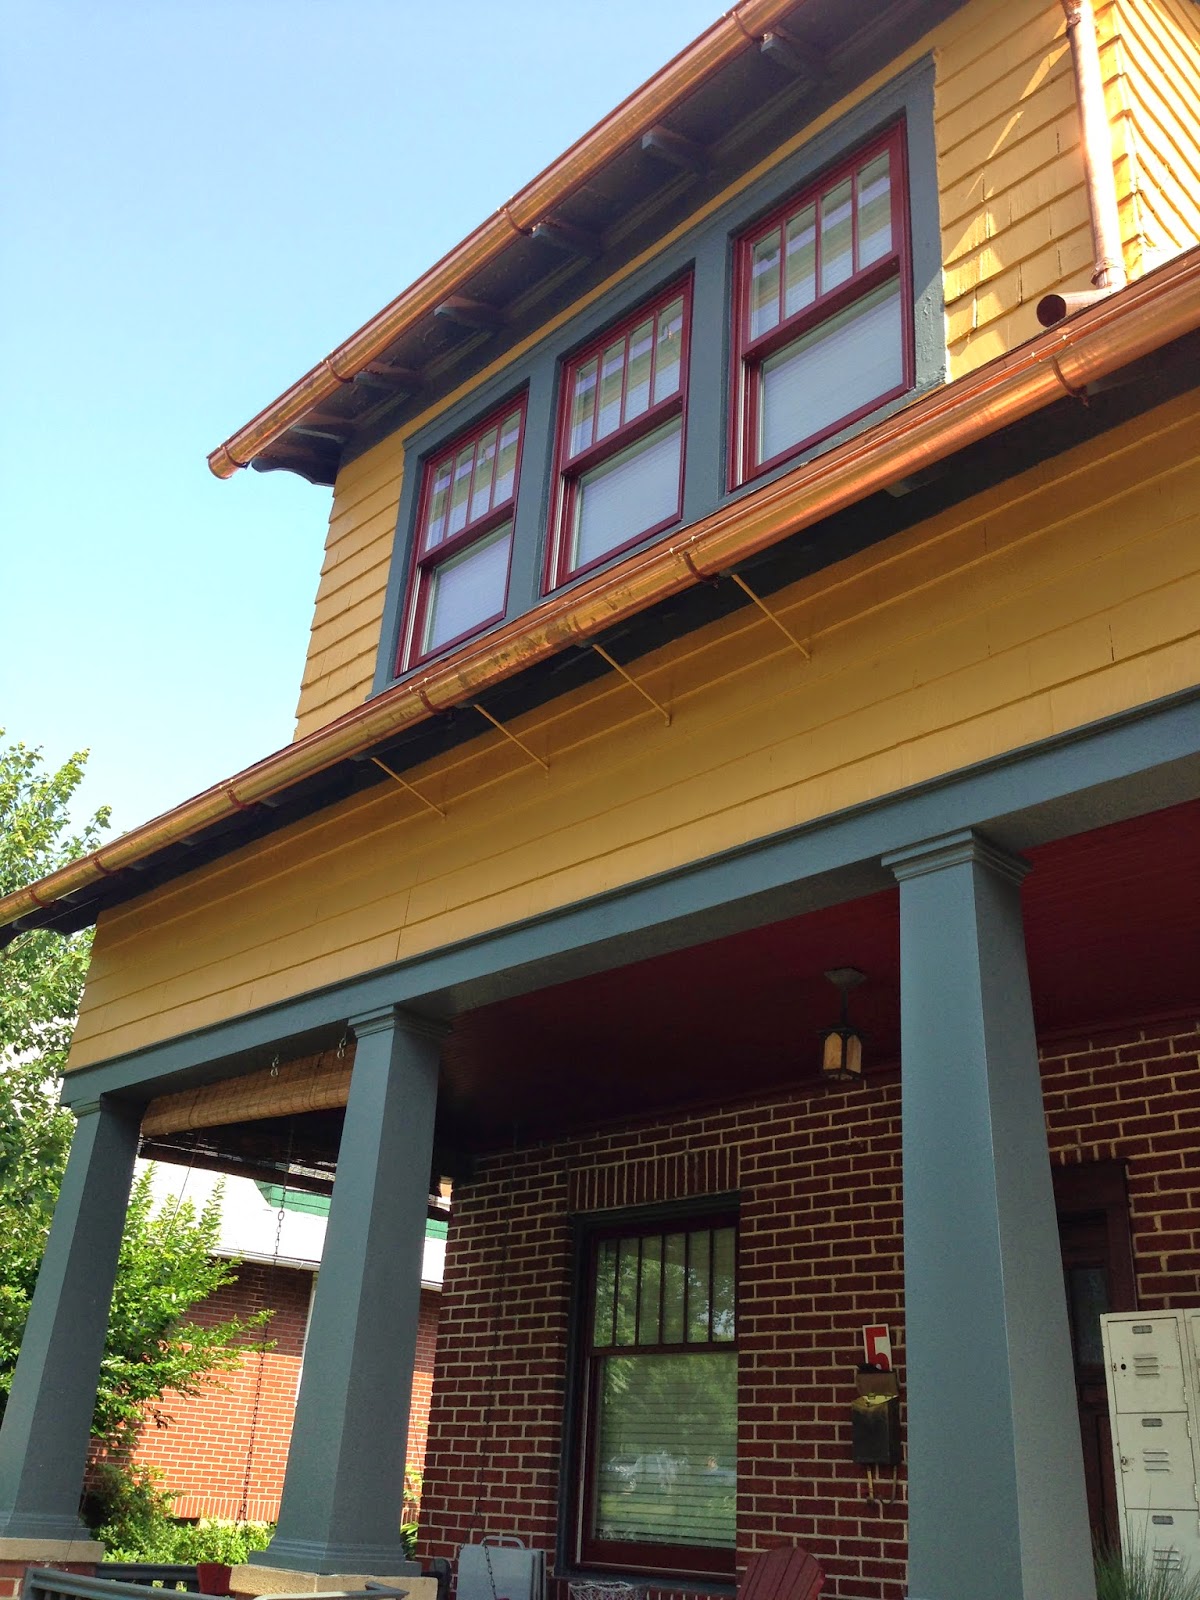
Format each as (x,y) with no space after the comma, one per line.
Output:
(404,784)
(520,744)
(771,617)
(633,683)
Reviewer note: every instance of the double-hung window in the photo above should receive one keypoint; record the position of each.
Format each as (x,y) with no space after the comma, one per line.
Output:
(619,453)
(659,1438)
(463,545)
(823,309)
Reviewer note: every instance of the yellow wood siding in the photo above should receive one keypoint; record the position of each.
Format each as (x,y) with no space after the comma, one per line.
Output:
(1151,55)
(1070,593)
(1014,225)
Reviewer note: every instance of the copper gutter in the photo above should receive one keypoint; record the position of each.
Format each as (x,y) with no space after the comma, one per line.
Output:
(536,202)
(1162,306)
(1096,143)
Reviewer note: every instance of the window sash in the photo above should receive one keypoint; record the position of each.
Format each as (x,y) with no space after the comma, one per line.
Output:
(620,390)
(466,508)
(777,303)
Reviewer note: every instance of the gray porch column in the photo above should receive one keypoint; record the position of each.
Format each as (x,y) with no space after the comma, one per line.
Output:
(47,1423)
(997,1509)
(344,1485)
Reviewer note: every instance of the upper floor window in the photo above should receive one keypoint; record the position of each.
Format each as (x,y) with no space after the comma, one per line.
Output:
(659,1441)
(463,548)
(823,309)
(619,454)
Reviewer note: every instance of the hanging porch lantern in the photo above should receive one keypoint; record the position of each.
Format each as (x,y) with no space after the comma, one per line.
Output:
(841,1059)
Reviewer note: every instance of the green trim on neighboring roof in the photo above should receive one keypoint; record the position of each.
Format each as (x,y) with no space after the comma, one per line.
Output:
(317,1205)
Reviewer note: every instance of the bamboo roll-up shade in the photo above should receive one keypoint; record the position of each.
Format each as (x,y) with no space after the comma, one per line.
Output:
(311,1083)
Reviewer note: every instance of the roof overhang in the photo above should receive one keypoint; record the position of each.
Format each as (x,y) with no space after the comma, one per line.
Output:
(1087,349)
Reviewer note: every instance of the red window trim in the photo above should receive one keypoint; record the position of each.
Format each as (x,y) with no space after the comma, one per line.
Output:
(568,469)
(422,562)
(670,1560)
(749,354)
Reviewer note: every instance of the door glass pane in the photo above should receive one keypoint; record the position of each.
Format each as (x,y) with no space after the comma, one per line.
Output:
(832,371)
(674,1287)
(764,284)
(668,353)
(582,404)
(467,590)
(666,1449)
(837,237)
(612,376)
(800,279)
(1087,1290)
(874,210)
(485,467)
(506,465)
(641,355)
(648,1304)
(637,489)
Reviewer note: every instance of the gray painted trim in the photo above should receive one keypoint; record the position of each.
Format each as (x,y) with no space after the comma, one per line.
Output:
(1120,767)
(706,251)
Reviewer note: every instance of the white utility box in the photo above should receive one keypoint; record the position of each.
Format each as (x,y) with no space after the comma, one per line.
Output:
(1152,1366)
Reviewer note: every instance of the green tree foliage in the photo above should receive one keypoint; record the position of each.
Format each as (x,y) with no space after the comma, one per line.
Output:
(166,1262)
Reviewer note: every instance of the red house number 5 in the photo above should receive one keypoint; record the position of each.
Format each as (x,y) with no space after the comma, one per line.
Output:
(877,1345)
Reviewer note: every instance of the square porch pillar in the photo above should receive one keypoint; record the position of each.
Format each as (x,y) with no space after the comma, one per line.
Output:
(47,1422)
(997,1509)
(344,1485)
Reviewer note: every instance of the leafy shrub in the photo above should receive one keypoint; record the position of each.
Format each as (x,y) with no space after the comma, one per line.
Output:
(130,1514)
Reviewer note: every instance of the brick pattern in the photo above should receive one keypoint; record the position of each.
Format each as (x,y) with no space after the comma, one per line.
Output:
(820,1255)
(203,1452)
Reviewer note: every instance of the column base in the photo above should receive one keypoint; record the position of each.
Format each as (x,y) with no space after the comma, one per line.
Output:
(36,1551)
(380,1563)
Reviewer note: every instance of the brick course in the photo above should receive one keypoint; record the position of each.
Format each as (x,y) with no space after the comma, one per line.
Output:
(821,1253)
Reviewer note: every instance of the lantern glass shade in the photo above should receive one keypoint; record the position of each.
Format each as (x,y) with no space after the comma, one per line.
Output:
(842,1059)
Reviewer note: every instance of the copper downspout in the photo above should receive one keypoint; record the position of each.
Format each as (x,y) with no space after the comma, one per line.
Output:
(637,113)
(1162,306)
(1109,263)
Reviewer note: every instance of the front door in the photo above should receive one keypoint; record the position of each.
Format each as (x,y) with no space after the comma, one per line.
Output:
(1097,1253)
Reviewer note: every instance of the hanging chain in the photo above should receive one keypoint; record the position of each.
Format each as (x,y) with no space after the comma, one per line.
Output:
(264,1341)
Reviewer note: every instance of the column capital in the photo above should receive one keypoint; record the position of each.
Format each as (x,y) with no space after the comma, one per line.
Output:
(387,1017)
(954,850)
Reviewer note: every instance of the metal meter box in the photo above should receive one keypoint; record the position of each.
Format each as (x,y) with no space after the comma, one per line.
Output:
(1152,1367)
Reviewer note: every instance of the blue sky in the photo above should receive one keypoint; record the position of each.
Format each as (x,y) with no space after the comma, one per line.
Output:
(199,201)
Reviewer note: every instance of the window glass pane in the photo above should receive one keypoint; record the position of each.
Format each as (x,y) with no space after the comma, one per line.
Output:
(438,500)
(724,1279)
(612,376)
(837,238)
(669,351)
(468,589)
(764,284)
(648,1305)
(835,369)
(606,1282)
(874,211)
(699,1269)
(635,490)
(1087,1288)
(800,276)
(637,387)
(582,403)
(674,1286)
(627,1292)
(506,467)
(485,467)
(460,493)
(666,1448)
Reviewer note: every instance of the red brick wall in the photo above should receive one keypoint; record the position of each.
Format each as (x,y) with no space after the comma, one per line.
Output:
(820,1255)
(202,1454)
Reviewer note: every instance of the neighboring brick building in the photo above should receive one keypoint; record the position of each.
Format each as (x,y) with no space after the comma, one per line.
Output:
(224,1451)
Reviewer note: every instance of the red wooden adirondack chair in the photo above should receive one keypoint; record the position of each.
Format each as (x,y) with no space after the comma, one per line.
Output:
(786,1573)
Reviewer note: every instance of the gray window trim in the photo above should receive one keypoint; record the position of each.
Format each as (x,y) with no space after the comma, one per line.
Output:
(706,252)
